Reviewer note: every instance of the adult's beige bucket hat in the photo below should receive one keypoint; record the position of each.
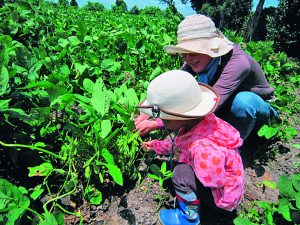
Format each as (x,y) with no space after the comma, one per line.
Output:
(198,34)
(176,95)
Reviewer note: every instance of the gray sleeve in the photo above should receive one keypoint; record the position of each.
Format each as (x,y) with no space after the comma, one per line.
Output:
(234,73)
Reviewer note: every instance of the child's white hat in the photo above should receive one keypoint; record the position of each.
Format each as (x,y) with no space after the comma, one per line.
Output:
(176,95)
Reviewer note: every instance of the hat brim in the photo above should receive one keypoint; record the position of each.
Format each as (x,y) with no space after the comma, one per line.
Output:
(206,107)
(213,47)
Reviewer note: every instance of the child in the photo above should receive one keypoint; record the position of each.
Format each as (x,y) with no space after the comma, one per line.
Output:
(209,170)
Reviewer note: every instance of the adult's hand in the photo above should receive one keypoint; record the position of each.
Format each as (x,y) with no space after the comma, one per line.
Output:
(140,118)
(146,126)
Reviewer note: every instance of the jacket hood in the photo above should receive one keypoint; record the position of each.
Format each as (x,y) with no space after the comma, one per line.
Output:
(217,130)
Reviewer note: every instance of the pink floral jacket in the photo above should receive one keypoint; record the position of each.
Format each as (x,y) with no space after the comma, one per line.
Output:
(211,149)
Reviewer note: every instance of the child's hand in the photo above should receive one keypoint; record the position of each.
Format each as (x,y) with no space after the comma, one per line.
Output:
(147,145)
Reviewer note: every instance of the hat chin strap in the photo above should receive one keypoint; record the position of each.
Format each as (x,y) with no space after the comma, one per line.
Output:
(170,159)
(156,114)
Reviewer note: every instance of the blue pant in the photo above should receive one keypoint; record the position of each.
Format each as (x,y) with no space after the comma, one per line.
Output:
(245,111)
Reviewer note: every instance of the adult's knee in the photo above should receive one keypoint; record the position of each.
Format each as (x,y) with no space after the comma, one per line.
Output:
(244,105)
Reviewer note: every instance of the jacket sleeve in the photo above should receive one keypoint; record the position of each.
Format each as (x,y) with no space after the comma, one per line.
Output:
(234,73)
(161,147)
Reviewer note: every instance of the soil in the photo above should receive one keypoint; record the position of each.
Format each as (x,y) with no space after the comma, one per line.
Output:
(137,204)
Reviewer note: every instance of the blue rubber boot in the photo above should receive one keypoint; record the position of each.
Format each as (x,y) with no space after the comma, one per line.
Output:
(186,214)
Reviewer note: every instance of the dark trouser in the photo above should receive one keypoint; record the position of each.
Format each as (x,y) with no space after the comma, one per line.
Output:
(185,181)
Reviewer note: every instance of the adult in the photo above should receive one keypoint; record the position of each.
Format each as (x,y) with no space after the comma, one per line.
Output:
(235,75)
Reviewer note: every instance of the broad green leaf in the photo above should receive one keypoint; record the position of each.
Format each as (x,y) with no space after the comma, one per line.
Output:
(296,181)
(110,65)
(105,128)
(82,29)
(290,132)
(163,167)
(42,170)
(59,98)
(285,187)
(74,41)
(267,131)
(297,197)
(242,221)
(155,169)
(296,146)
(132,97)
(100,98)
(59,216)
(23,190)
(25,5)
(88,85)
(40,145)
(4,54)
(40,52)
(17,113)
(93,195)
(75,129)
(38,190)
(12,203)
(155,72)
(65,71)
(49,219)
(4,104)
(63,42)
(167,39)
(80,68)
(269,184)
(115,173)
(6,40)
(42,84)
(264,205)
(283,209)
(87,172)
(87,39)
(270,218)
(108,157)
(152,176)
(120,109)
(82,98)
(4,79)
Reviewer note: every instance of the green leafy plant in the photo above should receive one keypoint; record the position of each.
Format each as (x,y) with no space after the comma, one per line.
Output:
(286,209)
(161,175)
(14,203)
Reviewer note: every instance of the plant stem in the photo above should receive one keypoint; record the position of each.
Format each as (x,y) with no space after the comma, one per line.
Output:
(33,148)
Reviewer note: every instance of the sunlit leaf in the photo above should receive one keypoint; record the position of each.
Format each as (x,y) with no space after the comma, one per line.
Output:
(12,203)
(4,79)
(42,170)
(105,128)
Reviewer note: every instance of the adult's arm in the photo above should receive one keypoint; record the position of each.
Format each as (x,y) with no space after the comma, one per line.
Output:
(234,73)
